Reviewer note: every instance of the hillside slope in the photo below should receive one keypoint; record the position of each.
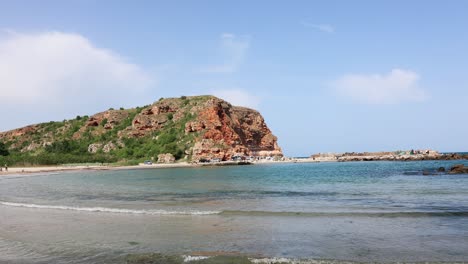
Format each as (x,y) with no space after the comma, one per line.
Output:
(190,128)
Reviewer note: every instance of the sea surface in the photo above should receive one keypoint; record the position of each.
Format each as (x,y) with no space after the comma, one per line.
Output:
(358,211)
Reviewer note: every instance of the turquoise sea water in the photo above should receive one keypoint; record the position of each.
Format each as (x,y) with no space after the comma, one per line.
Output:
(363,211)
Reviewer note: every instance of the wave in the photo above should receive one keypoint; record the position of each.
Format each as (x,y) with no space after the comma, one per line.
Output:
(109,210)
(350,214)
(243,213)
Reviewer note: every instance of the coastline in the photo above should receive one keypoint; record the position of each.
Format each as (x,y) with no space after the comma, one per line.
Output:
(65,168)
(74,168)
(128,211)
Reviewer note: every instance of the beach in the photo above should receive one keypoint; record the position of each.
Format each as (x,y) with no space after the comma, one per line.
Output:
(325,158)
(71,168)
(356,212)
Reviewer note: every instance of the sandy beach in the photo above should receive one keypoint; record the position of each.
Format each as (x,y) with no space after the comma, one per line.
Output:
(43,169)
(68,168)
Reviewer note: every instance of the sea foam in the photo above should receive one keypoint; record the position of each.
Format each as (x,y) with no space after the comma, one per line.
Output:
(109,210)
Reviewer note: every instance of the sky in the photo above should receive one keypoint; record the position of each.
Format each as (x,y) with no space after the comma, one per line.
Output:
(327,76)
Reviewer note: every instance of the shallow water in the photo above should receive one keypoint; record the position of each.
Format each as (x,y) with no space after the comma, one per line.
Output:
(366,211)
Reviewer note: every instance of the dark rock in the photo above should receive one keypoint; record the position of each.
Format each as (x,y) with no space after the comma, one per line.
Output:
(459,169)
(441,169)
(426,172)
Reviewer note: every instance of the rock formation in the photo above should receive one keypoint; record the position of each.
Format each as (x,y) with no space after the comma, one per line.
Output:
(458,169)
(194,127)
(409,155)
(166,158)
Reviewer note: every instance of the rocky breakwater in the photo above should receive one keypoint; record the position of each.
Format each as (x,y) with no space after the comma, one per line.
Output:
(408,155)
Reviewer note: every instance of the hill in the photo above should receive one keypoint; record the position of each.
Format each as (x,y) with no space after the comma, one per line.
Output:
(191,128)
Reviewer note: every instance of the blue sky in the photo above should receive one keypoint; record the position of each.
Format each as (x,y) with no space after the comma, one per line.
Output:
(329,76)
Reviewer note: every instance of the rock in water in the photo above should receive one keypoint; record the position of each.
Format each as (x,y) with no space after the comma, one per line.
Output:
(426,172)
(458,169)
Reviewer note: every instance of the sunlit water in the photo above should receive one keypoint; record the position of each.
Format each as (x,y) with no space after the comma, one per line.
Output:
(366,211)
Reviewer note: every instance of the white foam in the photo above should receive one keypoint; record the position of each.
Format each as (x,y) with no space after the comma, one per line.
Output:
(270,260)
(194,258)
(110,210)
(285,260)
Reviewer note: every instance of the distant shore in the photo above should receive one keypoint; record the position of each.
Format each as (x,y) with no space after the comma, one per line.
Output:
(312,159)
(408,155)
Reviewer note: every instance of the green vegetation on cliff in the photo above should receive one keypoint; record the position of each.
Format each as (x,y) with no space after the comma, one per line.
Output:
(189,128)
(69,141)
(3,150)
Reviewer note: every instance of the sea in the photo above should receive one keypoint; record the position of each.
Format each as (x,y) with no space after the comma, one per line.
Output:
(377,211)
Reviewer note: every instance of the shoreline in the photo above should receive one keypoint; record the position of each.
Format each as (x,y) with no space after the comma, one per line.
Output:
(65,168)
(74,168)
(68,168)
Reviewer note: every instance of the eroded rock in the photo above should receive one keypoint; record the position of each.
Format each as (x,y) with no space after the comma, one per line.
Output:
(458,169)
(166,158)
(93,148)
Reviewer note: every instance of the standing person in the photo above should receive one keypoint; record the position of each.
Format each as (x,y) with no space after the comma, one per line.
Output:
(6,167)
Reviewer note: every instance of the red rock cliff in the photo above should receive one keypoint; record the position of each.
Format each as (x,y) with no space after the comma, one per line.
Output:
(203,127)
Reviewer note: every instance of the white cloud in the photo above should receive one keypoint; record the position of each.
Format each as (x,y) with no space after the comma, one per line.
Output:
(234,50)
(238,97)
(54,75)
(321,27)
(394,87)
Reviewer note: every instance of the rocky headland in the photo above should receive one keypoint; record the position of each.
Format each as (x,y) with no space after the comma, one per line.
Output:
(188,128)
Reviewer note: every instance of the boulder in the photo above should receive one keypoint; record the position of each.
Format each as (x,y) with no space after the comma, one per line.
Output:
(458,169)
(109,147)
(166,158)
(441,169)
(93,148)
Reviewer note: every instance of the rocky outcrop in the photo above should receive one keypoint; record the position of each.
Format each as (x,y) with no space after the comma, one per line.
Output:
(166,158)
(458,169)
(220,130)
(195,127)
(455,169)
(229,131)
(18,133)
(93,148)
(102,122)
(109,147)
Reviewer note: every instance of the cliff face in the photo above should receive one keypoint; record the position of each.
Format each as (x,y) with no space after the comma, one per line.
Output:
(199,127)
(228,131)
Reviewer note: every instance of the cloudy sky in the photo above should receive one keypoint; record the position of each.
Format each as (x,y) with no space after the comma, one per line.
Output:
(328,76)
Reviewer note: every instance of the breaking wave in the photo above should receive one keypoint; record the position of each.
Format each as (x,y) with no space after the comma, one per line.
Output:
(244,213)
(110,210)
